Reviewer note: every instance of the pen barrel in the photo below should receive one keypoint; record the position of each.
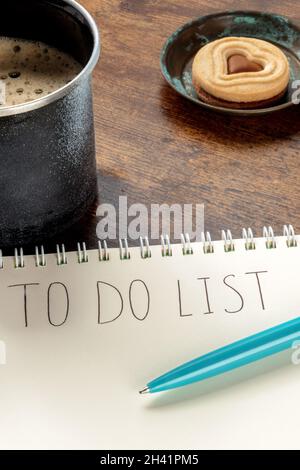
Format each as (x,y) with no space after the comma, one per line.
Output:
(239,354)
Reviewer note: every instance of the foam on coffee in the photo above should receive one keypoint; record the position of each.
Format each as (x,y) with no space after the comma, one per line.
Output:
(30,70)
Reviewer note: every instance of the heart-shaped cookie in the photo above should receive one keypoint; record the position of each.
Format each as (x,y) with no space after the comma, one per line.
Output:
(241,70)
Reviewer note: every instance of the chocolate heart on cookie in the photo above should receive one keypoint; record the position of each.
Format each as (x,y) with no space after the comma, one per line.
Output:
(238,63)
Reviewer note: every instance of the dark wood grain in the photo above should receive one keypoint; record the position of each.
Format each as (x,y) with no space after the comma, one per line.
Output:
(156,147)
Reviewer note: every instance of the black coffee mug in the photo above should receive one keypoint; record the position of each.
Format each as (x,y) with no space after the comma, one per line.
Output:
(47,146)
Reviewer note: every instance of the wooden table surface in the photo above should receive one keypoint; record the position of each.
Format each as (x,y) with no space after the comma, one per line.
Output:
(156,147)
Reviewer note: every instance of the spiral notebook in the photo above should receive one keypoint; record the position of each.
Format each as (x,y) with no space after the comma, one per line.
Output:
(82,332)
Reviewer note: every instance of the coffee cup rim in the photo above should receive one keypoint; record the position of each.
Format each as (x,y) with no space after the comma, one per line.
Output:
(63,91)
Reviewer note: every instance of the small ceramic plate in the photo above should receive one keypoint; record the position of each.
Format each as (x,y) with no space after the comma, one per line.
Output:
(180,48)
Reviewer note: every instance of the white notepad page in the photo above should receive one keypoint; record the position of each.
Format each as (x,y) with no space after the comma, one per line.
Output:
(97,332)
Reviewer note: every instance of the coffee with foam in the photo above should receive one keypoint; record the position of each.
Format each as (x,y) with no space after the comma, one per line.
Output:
(30,70)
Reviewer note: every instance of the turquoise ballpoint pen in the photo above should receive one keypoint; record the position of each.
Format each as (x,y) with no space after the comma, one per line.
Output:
(232,356)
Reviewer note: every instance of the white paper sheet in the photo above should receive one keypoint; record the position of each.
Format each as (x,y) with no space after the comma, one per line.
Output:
(72,375)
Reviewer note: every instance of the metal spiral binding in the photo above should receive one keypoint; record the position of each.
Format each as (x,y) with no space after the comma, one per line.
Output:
(288,231)
(145,247)
(186,244)
(268,233)
(247,235)
(124,250)
(166,249)
(228,242)
(19,258)
(103,252)
(40,259)
(61,255)
(82,253)
(208,246)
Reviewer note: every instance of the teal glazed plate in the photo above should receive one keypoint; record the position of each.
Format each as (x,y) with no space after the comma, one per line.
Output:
(180,48)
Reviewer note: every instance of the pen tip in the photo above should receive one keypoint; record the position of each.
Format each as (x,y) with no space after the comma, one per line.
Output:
(145,390)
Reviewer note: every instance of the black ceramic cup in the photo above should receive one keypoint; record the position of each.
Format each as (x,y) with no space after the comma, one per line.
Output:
(47,149)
